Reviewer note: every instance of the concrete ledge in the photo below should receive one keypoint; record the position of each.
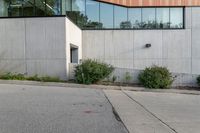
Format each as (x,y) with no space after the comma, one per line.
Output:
(104,87)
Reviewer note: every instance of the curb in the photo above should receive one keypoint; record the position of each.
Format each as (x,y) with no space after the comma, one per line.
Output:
(126,88)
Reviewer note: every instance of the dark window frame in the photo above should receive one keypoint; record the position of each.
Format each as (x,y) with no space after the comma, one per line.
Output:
(114,15)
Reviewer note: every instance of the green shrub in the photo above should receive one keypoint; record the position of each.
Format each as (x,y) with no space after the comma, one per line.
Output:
(91,71)
(50,79)
(33,78)
(44,78)
(156,77)
(12,76)
(198,80)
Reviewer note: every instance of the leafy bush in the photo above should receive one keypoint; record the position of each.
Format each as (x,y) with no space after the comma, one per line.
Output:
(91,71)
(156,77)
(198,80)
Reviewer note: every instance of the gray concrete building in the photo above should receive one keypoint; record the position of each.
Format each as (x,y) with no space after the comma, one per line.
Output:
(48,37)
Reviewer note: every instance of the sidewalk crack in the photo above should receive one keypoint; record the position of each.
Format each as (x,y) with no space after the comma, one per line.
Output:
(150,112)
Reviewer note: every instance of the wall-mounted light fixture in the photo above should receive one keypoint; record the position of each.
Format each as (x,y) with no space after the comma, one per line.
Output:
(148,45)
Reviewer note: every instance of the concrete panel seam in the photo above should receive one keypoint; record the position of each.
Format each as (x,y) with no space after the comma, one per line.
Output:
(172,129)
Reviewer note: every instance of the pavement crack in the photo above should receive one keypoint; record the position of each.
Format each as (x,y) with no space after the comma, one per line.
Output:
(149,112)
(117,117)
(116,114)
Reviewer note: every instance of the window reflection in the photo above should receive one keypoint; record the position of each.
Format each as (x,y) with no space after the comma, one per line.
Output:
(79,6)
(120,18)
(106,15)
(40,8)
(162,18)
(53,7)
(4,8)
(148,18)
(176,18)
(28,8)
(135,17)
(77,12)
(15,8)
(92,13)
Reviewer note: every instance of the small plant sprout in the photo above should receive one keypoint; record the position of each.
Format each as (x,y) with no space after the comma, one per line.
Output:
(127,77)
(114,78)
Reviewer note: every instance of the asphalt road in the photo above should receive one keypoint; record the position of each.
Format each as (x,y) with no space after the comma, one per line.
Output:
(41,109)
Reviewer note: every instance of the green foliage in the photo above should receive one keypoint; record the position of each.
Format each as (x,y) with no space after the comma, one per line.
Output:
(33,78)
(12,76)
(127,77)
(198,80)
(43,79)
(91,71)
(114,78)
(156,77)
(50,79)
(15,76)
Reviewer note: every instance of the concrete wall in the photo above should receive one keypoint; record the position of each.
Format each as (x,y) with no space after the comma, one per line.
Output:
(178,50)
(33,46)
(38,45)
(73,37)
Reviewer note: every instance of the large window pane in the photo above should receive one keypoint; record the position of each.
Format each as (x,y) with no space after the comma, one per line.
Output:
(53,7)
(148,18)
(4,8)
(29,8)
(78,5)
(15,8)
(176,18)
(135,17)
(92,13)
(120,18)
(40,8)
(106,15)
(162,18)
(67,5)
(77,12)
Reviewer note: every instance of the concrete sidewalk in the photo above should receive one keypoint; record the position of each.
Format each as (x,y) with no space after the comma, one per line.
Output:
(149,112)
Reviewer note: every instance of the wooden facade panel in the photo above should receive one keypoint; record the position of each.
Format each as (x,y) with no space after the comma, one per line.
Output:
(139,3)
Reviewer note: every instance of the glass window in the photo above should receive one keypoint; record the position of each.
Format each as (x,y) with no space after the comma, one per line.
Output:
(15,8)
(53,7)
(4,8)
(28,8)
(106,15)
(148,18)
(78,5)
(92,13)
(120,18)
(40,7)
(162,18)
(176,17)
(77,15)
(67,5)
(135,17)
